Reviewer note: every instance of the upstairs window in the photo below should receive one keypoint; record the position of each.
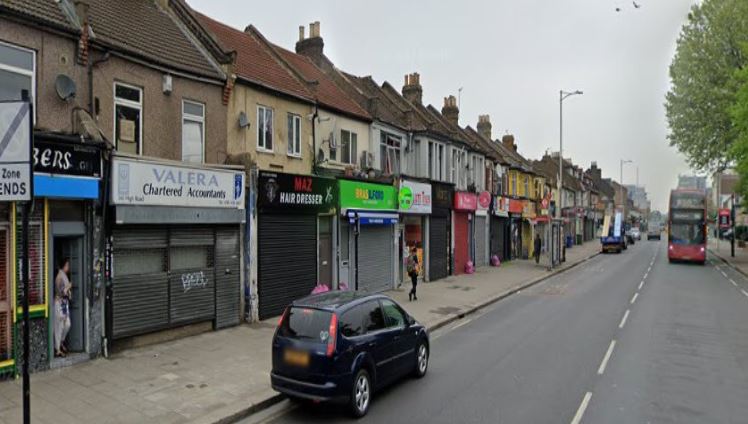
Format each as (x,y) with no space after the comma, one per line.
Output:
(128,118)
(193,132)
(264,129)
(389,153)
(348,147)
(17,72)
(294,135)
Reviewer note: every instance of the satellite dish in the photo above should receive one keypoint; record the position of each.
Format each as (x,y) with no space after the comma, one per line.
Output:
(65,87)
(243,120)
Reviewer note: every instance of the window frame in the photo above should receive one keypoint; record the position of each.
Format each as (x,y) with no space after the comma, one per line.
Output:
(292,148)
(188,117)
(351,159)
(24,72)
(131,104)
(263,147)
(387,143)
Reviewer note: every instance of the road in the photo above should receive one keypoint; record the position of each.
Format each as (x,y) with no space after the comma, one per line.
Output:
(623,338)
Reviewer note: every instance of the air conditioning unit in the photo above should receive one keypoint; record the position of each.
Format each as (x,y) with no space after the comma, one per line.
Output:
(332,140)
(367,160)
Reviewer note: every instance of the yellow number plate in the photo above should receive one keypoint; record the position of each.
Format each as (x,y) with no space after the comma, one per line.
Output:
(294,357)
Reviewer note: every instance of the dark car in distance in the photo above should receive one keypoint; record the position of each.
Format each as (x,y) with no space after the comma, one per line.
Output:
(341,346)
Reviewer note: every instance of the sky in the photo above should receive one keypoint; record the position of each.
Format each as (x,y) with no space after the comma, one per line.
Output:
(511,58)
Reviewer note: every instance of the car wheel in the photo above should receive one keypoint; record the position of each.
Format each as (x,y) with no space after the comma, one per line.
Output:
(422,360)
(360,394)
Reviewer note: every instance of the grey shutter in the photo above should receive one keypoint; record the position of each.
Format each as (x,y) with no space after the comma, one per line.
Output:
(287,265)
(228,277)
(438,245)
(480,241)
(375,266)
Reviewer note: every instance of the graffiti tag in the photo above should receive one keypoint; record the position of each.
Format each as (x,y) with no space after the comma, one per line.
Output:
(194,280)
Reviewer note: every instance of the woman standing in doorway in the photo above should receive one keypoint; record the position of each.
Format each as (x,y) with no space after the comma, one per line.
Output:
(413,269)
(63,286)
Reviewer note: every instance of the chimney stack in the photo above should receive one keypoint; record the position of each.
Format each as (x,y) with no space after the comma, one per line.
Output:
(412,90)
(312,47)
(594,170)
(508,141)
(484,126)
(450,110)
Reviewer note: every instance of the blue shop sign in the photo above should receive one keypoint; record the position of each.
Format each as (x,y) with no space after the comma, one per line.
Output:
(66,170)
(65,187)
(372,218)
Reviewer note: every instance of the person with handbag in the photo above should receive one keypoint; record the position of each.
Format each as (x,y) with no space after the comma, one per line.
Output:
(413,268)
(63,287)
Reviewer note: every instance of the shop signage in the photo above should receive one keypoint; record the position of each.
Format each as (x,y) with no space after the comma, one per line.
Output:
(465,201)
(724,218)
(528,209)
(414,197)
(150,183)
(361,195)
(68,159)
(515,206)
(484,200)
(277,190)
(687,215)
(15,151)
(441,195)
(501,206)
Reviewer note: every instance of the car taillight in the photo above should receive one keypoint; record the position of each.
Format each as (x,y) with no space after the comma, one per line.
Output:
(333,336)
(282,317)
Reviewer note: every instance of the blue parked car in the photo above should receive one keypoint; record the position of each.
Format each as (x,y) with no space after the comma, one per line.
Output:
(342,346)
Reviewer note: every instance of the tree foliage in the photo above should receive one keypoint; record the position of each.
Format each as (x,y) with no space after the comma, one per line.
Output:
(704,85)
(739,115)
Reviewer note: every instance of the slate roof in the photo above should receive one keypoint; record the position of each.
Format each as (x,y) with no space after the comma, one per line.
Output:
(549,167)
(373,98)
(254,61)
(139,28)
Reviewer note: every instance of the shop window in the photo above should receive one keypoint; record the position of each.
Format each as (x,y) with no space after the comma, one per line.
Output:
(431,161)
(139,261)
(389,153)
(348,147)
(17,72)
(264,129)
(527,186)
(193,132)
(436,161)
(190,257)
(128,118)
(294,135)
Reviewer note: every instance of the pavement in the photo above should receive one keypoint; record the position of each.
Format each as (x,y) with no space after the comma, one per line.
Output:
(625,338)
(721,249)
(223,376)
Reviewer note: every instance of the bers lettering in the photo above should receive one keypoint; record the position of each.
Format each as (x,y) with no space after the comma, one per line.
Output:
(55,159)
(68,159)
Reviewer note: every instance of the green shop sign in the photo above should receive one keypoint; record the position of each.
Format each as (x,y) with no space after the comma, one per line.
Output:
(360,195)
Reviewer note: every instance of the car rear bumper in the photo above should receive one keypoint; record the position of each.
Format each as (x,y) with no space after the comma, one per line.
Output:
(333,390)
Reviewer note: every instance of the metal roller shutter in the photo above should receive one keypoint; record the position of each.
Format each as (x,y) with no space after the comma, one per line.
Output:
(228,277)
(438,247)
(5,311)
(480,241)
(287,265)
(375,258)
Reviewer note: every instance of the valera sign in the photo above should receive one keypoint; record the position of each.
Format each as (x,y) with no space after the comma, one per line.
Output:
(414,197)
(296,192)
(361,195)
(465,201)
(150,183)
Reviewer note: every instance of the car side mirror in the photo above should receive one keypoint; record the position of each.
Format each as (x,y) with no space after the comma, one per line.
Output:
(410,320)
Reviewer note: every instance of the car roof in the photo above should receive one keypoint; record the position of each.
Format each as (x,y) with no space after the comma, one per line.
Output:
(336,299)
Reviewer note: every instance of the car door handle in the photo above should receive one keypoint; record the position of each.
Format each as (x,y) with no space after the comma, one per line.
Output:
(372,344)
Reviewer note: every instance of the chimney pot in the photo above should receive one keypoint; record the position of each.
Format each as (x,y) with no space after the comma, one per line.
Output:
(301,32)
(484,126)
(450,110)
(412,90)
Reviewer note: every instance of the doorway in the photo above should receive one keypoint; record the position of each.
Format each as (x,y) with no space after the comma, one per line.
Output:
(71,248)
(324,251)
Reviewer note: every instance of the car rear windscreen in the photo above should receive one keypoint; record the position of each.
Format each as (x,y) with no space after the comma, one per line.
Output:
(306,324)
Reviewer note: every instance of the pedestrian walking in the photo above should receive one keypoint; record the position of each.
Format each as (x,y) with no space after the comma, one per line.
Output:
(63,286)
(537,246)
(413,269)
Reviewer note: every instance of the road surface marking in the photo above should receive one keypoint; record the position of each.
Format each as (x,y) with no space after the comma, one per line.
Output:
(649,269)
(633,299)
(604,364)
(723,273)
(645,276)
(467,321)
(580,412)
(744,292)
(641,285)
(623,321)
(733,282)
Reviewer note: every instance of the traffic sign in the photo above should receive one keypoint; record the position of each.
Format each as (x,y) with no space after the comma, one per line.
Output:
(15,152)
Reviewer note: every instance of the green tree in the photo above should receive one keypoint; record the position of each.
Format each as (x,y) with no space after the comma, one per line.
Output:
(739,115)
(703,82)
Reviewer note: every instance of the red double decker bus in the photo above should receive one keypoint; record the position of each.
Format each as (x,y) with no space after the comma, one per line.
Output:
(687,226)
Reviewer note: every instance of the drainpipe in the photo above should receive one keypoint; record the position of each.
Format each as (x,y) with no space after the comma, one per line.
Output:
(314,138)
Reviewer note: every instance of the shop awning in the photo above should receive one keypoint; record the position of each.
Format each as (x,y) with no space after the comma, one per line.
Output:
(372,218)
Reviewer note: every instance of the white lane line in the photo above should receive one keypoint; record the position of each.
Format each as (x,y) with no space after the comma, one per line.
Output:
(625,317)
(604,363)
(724,274)
(645,276)
(633,299)
(641,285)
(466,322)
(582,407)
(744,292)
(733,282)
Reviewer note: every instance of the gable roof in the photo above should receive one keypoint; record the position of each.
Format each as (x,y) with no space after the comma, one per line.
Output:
(48,12)
(549,167)
(372,97)
(254,62)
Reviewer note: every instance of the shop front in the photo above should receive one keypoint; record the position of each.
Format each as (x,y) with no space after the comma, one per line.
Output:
(481,229)
(440,232)
(367,236)
(515,228)
(528,228)
(463,223)
(414,205)
(295,249)
(64,226)
(174,247)
(500,240)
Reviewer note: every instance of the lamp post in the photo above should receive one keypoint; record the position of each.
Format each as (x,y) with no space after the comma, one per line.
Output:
(623,201)
(562,95)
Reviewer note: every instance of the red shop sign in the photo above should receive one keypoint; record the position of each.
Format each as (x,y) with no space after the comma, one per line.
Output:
(465,201)
(484,200)
(515,206)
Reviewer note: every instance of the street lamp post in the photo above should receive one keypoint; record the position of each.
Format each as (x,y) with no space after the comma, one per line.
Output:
(623,201)
(562,95)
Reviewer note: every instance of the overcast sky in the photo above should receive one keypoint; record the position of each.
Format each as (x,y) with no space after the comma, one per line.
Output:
(512,57)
